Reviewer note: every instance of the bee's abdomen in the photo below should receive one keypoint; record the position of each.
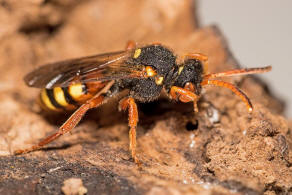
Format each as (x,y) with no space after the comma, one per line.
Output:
(64,98)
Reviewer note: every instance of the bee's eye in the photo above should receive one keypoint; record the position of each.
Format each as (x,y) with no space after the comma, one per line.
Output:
(189,69)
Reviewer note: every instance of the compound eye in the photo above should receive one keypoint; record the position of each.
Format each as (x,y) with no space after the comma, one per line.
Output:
(150,72)
(190,69)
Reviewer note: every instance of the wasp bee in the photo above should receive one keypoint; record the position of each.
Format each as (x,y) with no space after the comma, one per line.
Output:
(88,82)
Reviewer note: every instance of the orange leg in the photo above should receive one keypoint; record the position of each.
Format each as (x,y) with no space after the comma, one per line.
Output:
(233,88)
(131,45)
(68,125)
(239,72)
(184,95)
(189,86)
(129,103)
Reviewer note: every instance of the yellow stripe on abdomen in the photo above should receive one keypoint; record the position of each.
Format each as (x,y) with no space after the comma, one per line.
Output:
(66,98)
(60,97)
(76,91)
(46,101)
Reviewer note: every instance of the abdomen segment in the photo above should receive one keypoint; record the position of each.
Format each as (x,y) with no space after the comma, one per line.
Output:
(68,98)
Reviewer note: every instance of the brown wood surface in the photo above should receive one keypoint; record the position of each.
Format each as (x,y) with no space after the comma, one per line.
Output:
(222,149)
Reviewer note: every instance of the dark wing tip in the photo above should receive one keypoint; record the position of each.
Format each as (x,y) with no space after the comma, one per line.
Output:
(30,79)
(39,79)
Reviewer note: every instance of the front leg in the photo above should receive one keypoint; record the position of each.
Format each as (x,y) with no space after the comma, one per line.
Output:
(184,95)
(129,103)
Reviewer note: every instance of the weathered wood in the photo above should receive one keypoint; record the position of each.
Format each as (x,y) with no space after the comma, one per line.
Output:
(221,149)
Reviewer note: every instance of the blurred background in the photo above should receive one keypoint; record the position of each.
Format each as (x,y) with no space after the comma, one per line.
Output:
(259,33)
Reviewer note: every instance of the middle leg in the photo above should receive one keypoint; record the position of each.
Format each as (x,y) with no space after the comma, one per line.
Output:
(129,103)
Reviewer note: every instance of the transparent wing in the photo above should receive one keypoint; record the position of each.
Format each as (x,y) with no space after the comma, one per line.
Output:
(103,67)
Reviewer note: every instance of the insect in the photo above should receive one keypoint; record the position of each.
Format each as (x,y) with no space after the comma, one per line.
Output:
(143,72)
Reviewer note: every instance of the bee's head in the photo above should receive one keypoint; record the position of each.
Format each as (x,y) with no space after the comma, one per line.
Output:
(190,71)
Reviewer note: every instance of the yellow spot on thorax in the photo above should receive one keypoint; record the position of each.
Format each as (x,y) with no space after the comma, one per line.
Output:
(159,80)
(60,97)
(180,69)
(137,53)
(76,91)
(46,100)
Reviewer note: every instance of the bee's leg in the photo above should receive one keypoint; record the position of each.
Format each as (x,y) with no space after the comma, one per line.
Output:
(198,56)
(129,103)
(130,45)
(233,88)
(68,125)
(184,95)
(189,86)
